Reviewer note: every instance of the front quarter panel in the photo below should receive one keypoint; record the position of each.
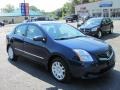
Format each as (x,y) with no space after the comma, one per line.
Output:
(67,53)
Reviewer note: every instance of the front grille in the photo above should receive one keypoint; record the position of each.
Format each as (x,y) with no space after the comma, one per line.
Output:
(85,30)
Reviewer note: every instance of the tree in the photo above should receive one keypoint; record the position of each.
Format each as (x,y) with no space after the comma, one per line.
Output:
(67,9)
(33,8)
(59,13)
(8,8)
(75,2)
(86,1)
(93,0)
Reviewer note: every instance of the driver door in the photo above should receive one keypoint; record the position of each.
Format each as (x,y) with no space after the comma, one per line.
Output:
(35,50)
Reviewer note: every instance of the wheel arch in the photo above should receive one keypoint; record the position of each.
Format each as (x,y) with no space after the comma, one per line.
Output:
(52,57)
(8,46)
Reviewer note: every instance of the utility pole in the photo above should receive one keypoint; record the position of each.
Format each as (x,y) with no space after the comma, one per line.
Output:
(24,1)
(25,9)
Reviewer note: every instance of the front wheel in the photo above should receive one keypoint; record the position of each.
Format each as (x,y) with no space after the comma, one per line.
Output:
(66,21)
(60,70)
(99,34)
(11,54)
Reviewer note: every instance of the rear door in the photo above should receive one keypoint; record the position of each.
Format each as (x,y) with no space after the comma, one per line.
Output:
(18,38)
(109,24)
(104,25)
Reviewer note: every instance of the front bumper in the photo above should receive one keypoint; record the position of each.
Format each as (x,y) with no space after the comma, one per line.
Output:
(91,70)
(90,33)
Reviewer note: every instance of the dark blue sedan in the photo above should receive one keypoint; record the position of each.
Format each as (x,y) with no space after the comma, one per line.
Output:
(97,27)
(61,48)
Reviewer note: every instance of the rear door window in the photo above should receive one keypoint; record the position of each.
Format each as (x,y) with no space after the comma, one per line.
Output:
(104,22)
(21,30)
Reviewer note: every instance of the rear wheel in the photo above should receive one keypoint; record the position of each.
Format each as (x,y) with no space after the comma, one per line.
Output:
(11,54)
(111,30)
(60,70)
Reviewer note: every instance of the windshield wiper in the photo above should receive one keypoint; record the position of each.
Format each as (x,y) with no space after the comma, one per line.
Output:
(61,38)
(79,36)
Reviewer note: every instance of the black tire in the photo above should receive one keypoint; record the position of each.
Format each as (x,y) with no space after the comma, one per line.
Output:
(99,34)
(13,57)
(67,76)
(111,30)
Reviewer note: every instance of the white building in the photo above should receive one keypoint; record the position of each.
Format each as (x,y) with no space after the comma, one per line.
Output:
(103,8)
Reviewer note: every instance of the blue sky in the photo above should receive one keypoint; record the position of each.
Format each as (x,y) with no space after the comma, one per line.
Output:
(47,5)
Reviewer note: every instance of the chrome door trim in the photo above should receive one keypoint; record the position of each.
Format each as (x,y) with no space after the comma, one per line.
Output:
(28,53)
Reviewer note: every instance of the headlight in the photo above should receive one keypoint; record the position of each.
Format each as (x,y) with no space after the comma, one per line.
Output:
(83,55)
(94,29)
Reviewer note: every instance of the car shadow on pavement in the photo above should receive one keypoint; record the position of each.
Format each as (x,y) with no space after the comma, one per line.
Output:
(110,81)
(110,36)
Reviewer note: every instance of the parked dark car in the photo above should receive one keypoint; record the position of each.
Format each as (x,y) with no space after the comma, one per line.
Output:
(2,23)
(79,22)
(43,19)
(61,48)
(39,19)
(97,27)
(71,18)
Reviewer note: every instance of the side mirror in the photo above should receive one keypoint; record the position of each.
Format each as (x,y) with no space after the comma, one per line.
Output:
(102,24)
(39,38)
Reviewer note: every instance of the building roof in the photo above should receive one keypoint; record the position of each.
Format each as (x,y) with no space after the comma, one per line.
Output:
(18,13)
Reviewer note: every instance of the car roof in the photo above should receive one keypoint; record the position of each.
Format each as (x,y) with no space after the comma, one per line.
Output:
(39,23)
(44,22)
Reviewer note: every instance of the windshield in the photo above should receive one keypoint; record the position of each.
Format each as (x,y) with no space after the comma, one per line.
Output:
(93,21)
(59,31)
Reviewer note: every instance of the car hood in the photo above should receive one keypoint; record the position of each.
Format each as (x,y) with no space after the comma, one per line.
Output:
(87,43)
(89,26)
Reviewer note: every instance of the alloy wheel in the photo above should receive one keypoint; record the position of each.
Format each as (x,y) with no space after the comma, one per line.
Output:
(10,53)
(58,70)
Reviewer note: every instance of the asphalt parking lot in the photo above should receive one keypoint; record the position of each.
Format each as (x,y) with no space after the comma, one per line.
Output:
(25,75)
